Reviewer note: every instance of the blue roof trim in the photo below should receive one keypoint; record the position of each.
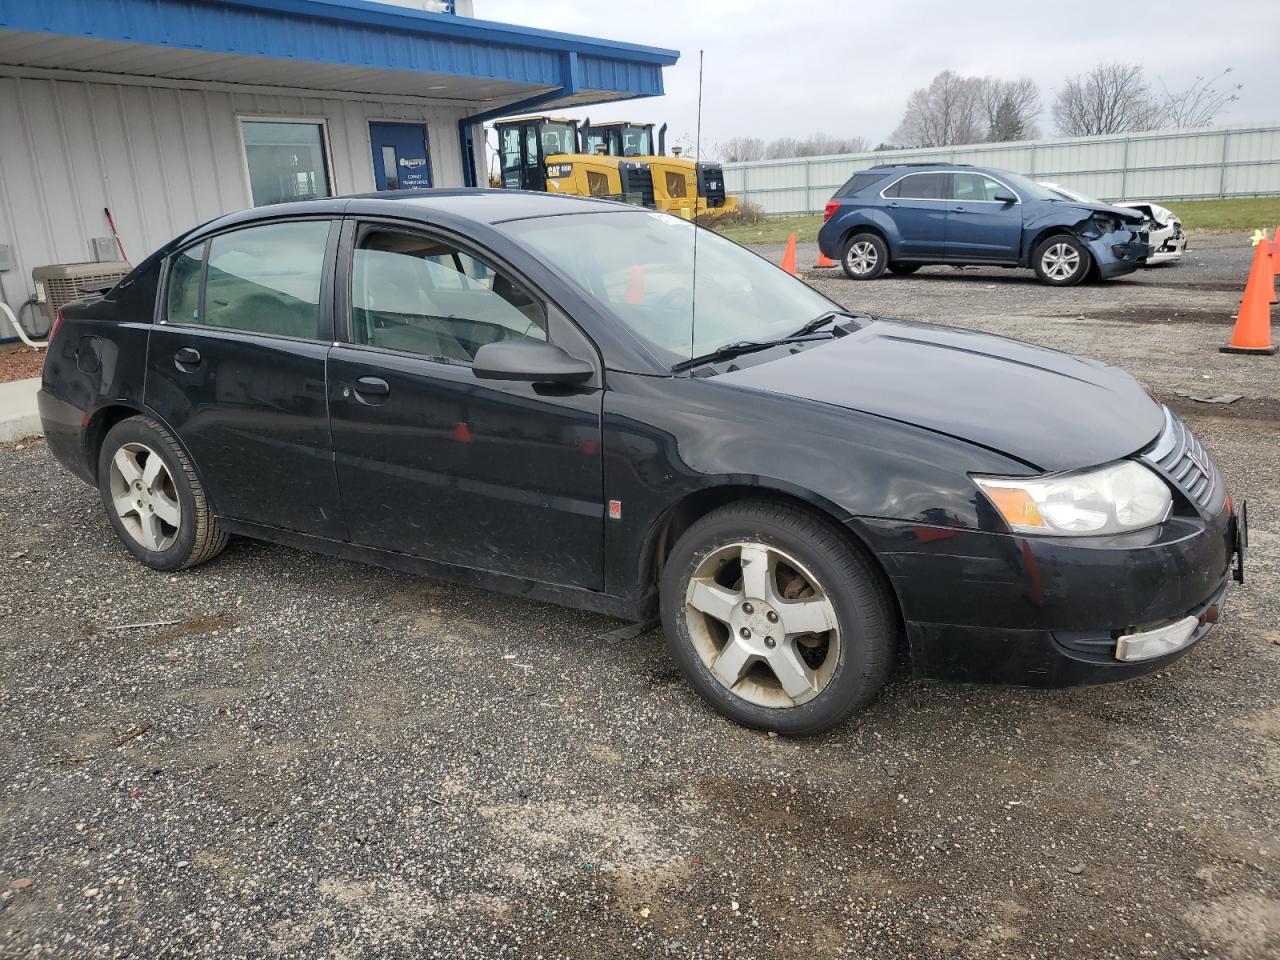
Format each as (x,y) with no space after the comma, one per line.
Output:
(354,33)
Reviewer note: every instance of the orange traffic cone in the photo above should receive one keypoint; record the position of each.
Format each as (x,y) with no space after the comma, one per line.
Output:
(635,285)
(789,256)
(1252,333)
(824,260)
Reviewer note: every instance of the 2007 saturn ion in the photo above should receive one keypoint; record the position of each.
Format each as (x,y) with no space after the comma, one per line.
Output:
(534,394)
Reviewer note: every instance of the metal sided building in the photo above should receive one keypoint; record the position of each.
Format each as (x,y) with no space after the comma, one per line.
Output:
(168,113)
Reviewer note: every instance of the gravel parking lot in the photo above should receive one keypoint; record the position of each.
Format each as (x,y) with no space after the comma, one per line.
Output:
(284,755)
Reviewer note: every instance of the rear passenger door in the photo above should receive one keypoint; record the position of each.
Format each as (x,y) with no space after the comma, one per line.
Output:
(917,203)
(980,227)
(493,475)
(236,367)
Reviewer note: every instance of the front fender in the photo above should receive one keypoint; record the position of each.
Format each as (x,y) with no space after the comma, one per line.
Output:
(667,440)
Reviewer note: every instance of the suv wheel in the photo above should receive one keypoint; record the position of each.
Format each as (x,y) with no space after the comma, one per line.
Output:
(154,500)
(775,620)
(865,257)
(1061,261)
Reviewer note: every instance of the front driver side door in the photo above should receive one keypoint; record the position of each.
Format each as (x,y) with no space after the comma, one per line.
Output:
(980,227)
(433,462)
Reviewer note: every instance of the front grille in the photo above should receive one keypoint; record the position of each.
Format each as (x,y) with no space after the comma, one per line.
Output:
(637,179)
(1178,455)
(711,183)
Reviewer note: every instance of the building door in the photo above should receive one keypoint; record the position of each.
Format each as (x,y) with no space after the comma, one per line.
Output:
(400,157)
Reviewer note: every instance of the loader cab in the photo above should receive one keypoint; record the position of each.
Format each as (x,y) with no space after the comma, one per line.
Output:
(524,143)
(621,138)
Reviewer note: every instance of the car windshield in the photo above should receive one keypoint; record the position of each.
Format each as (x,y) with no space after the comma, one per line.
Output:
(639,267)
(1027,188)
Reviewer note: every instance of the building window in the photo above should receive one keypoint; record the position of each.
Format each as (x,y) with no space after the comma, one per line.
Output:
(286,160)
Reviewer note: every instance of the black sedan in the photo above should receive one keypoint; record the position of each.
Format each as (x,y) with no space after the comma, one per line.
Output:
(607,407)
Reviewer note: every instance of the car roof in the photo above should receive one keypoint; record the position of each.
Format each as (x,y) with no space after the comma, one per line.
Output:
(486,206)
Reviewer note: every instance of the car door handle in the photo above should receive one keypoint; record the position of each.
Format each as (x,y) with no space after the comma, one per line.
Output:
(893,206)
(186,357)
(958,209)
(372,387)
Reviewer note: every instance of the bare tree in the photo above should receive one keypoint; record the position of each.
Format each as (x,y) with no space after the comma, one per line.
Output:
(741,148)
(1200,102)
(1010,109)
(781,148)
(942,114)
(1110,98)
(824,144)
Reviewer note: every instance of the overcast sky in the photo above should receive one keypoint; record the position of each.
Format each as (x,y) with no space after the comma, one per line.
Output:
(781,68)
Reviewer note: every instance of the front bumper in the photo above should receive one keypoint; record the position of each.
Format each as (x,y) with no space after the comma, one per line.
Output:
(1167,244)
(1051,611)
(1118,253)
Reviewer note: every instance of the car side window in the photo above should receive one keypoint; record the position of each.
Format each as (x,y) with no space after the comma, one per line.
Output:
(923,186)
(267,279)
(182,297)
(421,295)
(975,186)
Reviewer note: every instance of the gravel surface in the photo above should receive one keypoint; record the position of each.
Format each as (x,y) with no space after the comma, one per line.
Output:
(279,754)
(19,363)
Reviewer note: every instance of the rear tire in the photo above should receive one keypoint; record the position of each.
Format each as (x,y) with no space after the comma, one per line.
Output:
(904,269)
(795,647)
(1061,261)
(154,499)
(864,257)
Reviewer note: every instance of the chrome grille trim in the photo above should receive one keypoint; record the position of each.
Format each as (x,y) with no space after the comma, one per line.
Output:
(1182,459)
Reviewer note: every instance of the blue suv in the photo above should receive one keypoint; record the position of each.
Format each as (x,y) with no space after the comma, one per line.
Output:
(900,217)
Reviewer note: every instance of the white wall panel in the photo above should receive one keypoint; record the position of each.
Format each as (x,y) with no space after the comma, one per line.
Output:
(1184,164)
(163,159)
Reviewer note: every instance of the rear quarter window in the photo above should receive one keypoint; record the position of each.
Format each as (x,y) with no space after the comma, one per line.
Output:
(857,183)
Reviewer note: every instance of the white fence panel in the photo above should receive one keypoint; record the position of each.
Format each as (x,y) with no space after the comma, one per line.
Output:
(1235,161)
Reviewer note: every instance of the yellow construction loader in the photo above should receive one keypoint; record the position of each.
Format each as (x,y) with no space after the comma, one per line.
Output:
(614,160)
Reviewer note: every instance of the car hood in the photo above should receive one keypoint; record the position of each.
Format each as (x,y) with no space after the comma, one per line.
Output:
(1045,408)
(1123,213)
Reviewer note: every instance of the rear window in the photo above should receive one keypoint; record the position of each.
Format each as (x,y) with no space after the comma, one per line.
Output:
(857,183)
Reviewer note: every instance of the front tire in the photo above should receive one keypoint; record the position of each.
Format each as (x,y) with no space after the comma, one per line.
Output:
(154,499)
(1061,261)
(776,620)
(865,257)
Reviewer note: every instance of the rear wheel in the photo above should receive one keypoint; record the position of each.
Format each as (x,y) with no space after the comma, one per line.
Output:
(865,257)
(904,269)
(1061,261)
(775,620)
(154,500)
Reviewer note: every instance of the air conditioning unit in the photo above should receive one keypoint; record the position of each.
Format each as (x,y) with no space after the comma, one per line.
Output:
(60,283)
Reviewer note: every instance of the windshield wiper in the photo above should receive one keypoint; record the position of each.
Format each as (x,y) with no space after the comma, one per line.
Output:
(817,323)
(739,347)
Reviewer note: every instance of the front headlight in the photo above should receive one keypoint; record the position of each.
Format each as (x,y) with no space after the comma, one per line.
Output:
(1117,498)
(1104,224)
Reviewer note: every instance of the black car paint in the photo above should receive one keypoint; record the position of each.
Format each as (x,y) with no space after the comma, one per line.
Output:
(520,494)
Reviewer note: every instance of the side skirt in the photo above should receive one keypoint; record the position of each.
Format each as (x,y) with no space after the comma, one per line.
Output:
(575,597)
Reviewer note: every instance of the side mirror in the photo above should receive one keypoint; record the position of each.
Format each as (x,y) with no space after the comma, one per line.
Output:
(530,361)
(1004,196)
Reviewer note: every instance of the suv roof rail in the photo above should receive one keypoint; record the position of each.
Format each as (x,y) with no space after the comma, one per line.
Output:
(922,163)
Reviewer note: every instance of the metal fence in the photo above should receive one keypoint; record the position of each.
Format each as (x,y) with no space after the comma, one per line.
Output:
(1238,161)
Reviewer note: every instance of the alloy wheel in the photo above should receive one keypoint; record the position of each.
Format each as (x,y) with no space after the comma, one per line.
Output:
(1060,261)
(144,496)
(862,257)
(762,625)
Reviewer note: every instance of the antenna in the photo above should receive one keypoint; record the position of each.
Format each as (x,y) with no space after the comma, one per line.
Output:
(693,216)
